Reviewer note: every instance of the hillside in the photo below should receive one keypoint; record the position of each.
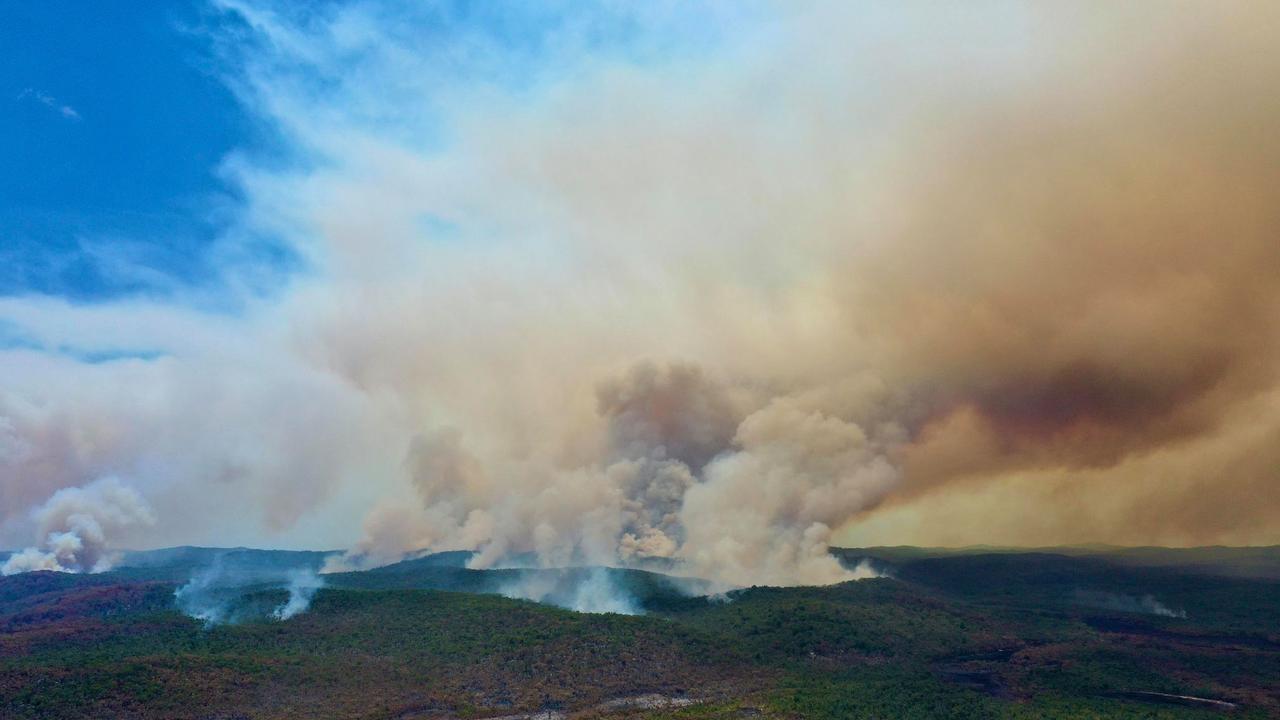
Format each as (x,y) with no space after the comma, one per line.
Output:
(946,635)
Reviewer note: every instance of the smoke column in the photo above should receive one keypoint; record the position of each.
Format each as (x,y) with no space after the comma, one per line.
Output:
(303,585)
(74,526)
(707,290)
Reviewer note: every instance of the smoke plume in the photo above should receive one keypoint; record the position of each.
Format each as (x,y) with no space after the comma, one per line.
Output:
(74,525)
(229,593)
(1146,604)
(996,272)
(303,585)
(593,590)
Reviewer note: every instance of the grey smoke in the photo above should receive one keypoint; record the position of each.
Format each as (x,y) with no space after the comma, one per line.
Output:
(1145,604)
(676,412)
(74,527)
(598,593)
(202,597)
(588,590)
(227,594)
(303,584)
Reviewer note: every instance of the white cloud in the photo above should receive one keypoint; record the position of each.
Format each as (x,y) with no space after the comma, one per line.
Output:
(50,102)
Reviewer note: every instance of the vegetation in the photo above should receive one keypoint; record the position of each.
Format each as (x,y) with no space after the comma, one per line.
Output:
(951,635)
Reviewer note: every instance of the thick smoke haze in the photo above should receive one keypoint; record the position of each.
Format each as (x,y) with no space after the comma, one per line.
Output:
(828,273)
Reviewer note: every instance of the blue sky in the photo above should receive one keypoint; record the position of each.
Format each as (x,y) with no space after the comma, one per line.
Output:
(213,213)
(115,119)
(112,126)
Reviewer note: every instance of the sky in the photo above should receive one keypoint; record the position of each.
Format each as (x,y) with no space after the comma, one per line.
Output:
(714,284)
(114,126)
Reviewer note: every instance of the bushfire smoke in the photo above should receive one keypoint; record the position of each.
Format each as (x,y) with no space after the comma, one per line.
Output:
(592,590)
(716,298)
(1146,604)
(303,585)
(74,528)
(223,593)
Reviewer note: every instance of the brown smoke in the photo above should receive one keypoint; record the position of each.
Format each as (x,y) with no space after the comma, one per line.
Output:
(1024,257)
(1091,278)
(994,272)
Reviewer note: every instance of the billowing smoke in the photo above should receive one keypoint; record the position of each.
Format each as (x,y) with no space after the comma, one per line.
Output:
(765,512)
(687,476)
(74,527)
(997,272)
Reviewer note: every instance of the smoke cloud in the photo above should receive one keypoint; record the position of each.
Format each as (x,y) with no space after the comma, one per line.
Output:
(1146,605)
(229,593)
(593,590)
(716,292)
(74,525)
(303,585)
(203,598)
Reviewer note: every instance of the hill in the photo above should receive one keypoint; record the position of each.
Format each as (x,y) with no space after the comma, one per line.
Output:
(947,635)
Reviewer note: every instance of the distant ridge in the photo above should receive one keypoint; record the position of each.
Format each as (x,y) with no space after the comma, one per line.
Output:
(1261,561)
